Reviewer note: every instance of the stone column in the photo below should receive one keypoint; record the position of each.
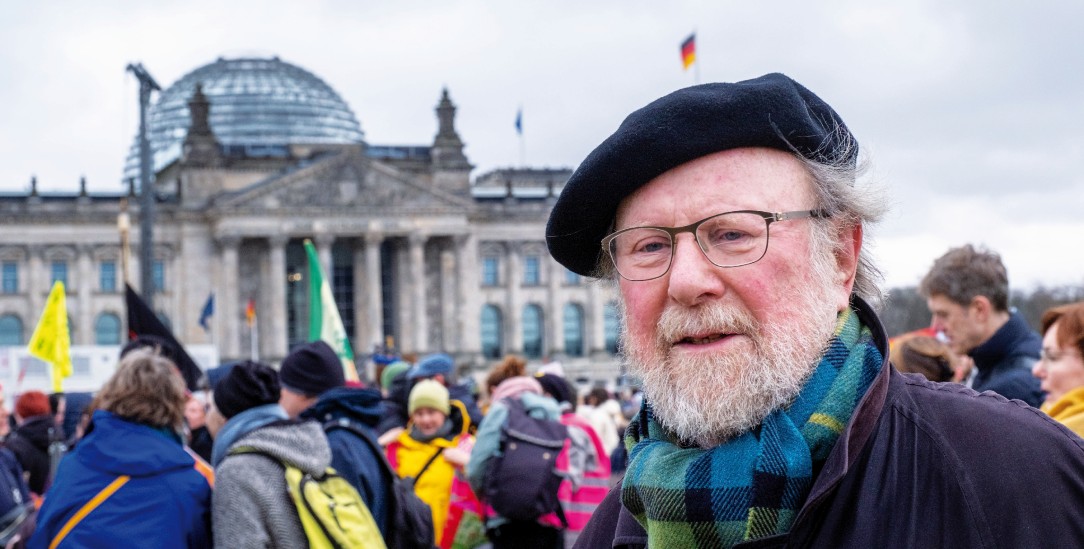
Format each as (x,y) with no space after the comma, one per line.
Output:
(595,333)
(468,307)
(36,284)
(274,343)
(85,270)
(554,303)
(513,316)
(449,330)
(417,292)
(374,298)
(231,320)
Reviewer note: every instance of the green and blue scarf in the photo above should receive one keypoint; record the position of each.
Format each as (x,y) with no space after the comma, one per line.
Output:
(751,486)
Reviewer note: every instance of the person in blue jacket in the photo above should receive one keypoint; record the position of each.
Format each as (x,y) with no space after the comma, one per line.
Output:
(130,481)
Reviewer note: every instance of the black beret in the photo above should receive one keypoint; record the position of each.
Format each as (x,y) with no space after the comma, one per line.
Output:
(247,385)
(312,369)
(771,111)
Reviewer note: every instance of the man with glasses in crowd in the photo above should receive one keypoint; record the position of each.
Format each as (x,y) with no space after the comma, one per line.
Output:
(730,220)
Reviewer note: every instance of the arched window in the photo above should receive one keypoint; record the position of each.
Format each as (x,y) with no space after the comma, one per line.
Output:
(107,329)
(612,327)
(11,331)
(532,331)
(573,329)
(491,331)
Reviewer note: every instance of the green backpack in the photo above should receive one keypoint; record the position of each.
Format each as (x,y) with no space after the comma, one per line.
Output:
(331,511)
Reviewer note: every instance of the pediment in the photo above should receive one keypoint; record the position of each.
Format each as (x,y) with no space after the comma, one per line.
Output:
(346,181)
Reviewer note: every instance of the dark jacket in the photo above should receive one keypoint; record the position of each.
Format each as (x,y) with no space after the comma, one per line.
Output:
(924,464)
(1003,362)
(351,457)
(30,444)
(166,502)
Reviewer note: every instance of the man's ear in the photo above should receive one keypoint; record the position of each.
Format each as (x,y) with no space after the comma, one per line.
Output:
(981,308)
(847,254)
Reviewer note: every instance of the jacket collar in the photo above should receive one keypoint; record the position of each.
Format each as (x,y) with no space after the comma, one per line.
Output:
(1013,337)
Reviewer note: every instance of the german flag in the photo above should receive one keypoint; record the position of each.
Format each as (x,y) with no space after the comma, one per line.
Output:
(688,51)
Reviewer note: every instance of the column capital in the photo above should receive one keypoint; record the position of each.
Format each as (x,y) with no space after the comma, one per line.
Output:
(278,240)
(374,238)
(323,239)
(228,240)
(417,238)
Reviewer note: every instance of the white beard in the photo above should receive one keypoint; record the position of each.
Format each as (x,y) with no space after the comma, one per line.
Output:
(707,400)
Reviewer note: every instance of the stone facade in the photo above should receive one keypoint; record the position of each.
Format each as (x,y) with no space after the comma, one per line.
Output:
(419,255)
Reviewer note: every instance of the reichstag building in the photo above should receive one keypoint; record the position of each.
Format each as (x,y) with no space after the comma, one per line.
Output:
(251,157)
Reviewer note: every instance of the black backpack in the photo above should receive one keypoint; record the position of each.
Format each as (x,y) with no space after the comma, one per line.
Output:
(410,520)
(15,504)
(522,479)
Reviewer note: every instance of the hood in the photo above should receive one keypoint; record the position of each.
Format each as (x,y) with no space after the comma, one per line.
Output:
(121,447)
(36,430)
(301,443)
(1015,338)
(358,405)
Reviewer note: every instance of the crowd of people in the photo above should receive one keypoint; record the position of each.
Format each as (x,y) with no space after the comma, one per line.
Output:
(775,411)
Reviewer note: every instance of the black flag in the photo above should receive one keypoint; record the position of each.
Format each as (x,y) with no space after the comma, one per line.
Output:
(143,322)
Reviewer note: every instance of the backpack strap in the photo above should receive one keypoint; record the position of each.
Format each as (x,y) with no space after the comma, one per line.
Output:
(343,423)
(427,464)
(87,508)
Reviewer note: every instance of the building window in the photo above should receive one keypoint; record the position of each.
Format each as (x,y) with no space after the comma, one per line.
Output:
(532,331)
(59,272)
(531,274)
(107,277)
(612,326)
(159,276)
(490,274)
(11,331)
(11,277)
(571,278)
(491,331)
(107,329)
(573,318)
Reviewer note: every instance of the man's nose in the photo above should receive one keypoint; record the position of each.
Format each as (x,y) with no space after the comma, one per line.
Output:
(692,278)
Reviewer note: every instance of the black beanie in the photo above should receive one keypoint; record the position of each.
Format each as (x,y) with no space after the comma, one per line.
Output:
(557,387)
(248,385)
(312,369)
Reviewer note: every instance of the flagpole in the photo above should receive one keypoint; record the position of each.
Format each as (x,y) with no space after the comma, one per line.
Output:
(255,338)
(696,63)
(124,224)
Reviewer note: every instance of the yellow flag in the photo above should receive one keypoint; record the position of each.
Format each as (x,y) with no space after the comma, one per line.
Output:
(51,341)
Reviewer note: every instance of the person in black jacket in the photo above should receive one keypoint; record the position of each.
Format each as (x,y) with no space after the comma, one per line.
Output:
(967,291)
(731,219)
(30,441)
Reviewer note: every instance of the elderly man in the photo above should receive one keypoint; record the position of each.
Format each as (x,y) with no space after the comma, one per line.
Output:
(729,218)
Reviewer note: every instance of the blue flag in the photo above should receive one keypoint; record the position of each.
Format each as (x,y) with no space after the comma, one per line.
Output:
(208,311)
(519,121)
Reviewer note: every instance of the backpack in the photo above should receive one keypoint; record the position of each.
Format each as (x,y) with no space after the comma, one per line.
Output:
(410,520)
(331,511)
(522,480)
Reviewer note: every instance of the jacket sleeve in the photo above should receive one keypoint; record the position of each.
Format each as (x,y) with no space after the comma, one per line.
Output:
(487,444)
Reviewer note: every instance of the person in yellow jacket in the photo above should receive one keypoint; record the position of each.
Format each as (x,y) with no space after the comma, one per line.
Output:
(434,447)
(1061,367)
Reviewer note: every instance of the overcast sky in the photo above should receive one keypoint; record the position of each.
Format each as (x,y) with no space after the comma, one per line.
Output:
(971,111)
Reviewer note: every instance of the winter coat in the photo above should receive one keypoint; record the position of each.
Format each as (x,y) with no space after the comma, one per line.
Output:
(166,501)
(923,464)
(30,444)
(407,456)
(1003,362)
(252,507)
(1069,410)
(351,457)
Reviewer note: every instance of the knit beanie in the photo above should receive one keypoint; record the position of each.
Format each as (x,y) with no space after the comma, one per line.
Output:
(392,371)
(312,369)
(431,365)
(556,386)
(429,393)
(515,386)
(32,404)
(248,385)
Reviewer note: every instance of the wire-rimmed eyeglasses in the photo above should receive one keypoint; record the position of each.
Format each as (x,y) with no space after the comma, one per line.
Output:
(728,239)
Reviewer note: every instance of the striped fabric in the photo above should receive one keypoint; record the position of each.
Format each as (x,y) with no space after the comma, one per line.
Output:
(747,488)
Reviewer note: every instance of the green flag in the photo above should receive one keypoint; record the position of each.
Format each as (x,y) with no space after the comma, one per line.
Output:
(324,321)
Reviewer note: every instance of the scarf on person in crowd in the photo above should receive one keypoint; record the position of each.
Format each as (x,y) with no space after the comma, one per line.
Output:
(750,486)
(242,424)
(443,432)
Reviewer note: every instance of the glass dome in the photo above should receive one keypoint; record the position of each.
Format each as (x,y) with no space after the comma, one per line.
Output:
(257,105)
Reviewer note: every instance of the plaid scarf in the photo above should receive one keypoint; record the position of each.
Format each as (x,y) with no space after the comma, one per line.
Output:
(749,487)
